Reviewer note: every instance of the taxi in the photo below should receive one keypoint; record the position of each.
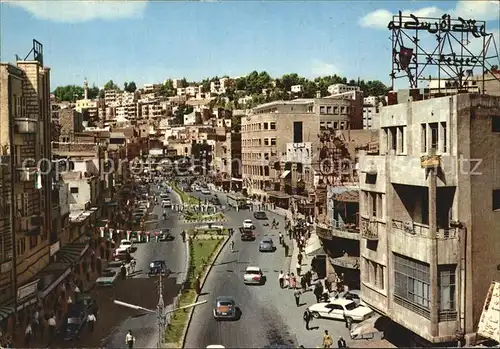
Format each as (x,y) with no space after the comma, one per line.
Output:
(225,308)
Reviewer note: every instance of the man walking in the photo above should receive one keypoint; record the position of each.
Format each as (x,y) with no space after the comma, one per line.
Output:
(296,294)
(307,318)
(281,279)
(52,326)
(299,268)
(327,340)
(129,339)
(91,319)
(341,343)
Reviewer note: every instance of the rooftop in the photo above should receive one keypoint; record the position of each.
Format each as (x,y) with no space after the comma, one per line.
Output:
(281,102)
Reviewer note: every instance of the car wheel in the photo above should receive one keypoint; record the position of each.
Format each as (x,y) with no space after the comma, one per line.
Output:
(315,314)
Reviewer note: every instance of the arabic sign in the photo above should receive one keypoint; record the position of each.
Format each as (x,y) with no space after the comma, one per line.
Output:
(444,24)
(27,290)
(490,317)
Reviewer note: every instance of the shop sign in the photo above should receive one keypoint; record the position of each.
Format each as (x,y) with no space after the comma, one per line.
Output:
(27,290)
(54,248)
(6,267)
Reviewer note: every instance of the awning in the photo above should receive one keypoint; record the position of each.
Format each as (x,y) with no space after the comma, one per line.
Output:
(65,272)
(70,254)
(278,195)
(348,262)
(314,246)
(347,196)
(6,310)
(285,174)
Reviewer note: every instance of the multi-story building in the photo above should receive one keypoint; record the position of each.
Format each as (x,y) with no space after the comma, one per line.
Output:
(429,211)
(371,117)
(192,91)
(25,143)
(341,88)
(110,97)
(297,88)
(70,122)
(177,83)
(151,88)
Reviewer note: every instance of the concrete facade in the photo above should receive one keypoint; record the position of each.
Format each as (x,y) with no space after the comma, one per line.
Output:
(429,211)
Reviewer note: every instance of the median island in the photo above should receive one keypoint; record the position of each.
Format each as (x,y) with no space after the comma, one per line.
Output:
(202,250)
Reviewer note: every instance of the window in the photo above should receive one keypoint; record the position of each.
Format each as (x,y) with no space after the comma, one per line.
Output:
(273,141)
(495,124)
(14,105)
(297,132)
(272,126)
(266,141)
(321,110)
(447,288)
(74,190)
(434,135)
(329,110)
(266,126)
(444,135)
(423,132)
(393,133)
(373,200)
(496,200)
(335,125)
(412,284)
(401,140)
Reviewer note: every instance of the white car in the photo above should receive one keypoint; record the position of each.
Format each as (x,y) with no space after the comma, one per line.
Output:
(108,278)
(341,309)
(205,192)
(125,245)
(248,224)
(215,346)
(253,276)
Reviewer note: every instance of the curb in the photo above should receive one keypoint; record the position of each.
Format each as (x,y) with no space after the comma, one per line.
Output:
(202,283)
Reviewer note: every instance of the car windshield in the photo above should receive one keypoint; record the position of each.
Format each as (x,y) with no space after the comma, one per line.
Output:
(253,272)
(247,221)
(351,306)
(125,243)
(225,304)
(267,242)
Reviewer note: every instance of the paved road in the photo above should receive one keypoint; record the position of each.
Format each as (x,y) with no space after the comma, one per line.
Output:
(269,314)
(174,253)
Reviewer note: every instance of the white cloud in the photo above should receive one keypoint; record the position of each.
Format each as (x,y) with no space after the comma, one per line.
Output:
(477,9)
(80,10)
(321,68)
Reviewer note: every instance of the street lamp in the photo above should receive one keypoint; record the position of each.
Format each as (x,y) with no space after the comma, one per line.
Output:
(160,311)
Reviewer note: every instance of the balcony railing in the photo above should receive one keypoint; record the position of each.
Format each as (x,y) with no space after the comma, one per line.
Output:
(419,229)
(369,229)
(25,125)
(345,230)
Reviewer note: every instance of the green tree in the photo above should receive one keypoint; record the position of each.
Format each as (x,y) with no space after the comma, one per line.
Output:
(69,93)
(93,92)
(110,85)
(182,110)
(167,89)
(129,86)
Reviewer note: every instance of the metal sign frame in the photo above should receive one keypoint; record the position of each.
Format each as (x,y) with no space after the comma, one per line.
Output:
(454,60)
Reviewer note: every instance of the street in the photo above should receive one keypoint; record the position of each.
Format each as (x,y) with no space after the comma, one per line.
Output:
(269,314)
(145,327)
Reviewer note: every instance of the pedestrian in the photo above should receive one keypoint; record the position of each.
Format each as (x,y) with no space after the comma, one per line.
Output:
(280,235)
(287,280)
(299,258)
(293,281)
(35,323)
(341,343)
(28,333)
(303,283)
(281,279)
(123,271)
(286,249)
(307,318)
(91,319)
(299,268)
(129,339)
(327,340)
(318,293)
(296,294)
(198,285)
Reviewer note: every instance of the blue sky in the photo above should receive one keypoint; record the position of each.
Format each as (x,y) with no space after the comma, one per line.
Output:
(151,41)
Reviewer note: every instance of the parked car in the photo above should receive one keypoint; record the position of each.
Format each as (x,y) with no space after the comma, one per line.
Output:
(247,235)
(165,235)
(260,215)
(225,308)
(125,245)
(74,321)
(248,224)
(254,276)
(158,267)
(121,255)
(341,309)
(205,192)
(267,245)
(108,278)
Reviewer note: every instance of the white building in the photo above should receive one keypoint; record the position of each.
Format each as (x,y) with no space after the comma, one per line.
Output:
(191,91)
(176,83)
(190,119)
(370,101)
(297,88)
(181,91)
(341,88)
(371,117)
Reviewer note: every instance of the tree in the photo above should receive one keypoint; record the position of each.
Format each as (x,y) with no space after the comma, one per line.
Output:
(93,92)
(110,85)
(180,112)
(69,93)
(130,86)
(167,89)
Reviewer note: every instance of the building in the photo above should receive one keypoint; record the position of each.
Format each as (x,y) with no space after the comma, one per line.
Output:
(271,134)
(25,142)
(297,88)
(341,88)
(177,83)
(429,213)
(70,122)
(371,117)
(192,91)
(151,88)
(110,97)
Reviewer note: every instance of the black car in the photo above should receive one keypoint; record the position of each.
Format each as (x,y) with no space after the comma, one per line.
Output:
(165,235)
(158,267)
(260,215)
(247,234)
(74,321)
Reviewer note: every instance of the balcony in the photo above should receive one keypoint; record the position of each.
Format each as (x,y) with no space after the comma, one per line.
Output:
(25,174)
(25,125)
(29,225)
(419,229)
(345,230)
(369,229)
